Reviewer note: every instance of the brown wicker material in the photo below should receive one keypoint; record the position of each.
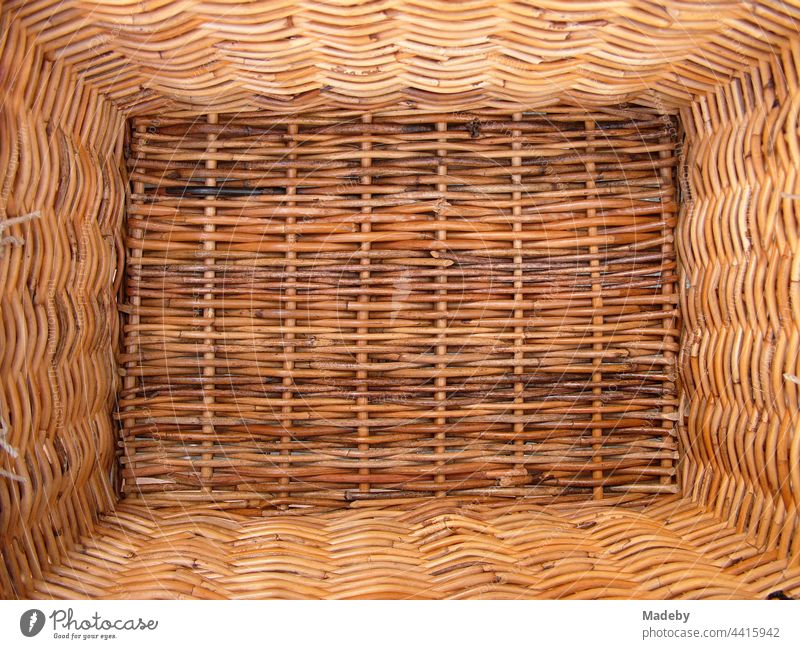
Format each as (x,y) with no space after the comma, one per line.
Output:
(401,299)
(399,313)
(59,155)
(741,305)
(285,55)
(426,548)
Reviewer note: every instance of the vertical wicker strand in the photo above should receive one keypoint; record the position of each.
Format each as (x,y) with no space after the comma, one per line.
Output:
(209,369)
(290,291)
(519,314)
(668,289)
(597,324)
(364,314)
(440,382)
(134,268)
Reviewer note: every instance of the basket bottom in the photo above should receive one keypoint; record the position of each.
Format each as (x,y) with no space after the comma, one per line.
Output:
(444,548)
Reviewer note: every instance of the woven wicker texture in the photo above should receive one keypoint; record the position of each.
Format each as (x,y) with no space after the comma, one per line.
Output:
(741,273)
(57,315)
(403,249)
(483,302)
(283,55)
(435,549)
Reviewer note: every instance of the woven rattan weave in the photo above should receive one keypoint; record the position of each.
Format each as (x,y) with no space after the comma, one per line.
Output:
(401,299)
(394,306)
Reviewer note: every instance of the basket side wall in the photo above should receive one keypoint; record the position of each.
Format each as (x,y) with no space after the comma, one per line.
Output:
(60,144)
(737,240)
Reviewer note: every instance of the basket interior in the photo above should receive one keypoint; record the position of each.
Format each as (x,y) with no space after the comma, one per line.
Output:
(503,311)
(323,308)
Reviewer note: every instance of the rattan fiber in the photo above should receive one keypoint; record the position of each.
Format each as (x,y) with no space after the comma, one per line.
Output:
(288,56)
(439,548)
(394,298)
(399,310)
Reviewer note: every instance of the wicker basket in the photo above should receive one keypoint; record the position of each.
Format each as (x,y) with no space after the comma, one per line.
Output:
(397,298)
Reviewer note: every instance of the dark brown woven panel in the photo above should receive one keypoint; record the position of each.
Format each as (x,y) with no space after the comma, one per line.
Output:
(331,307)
